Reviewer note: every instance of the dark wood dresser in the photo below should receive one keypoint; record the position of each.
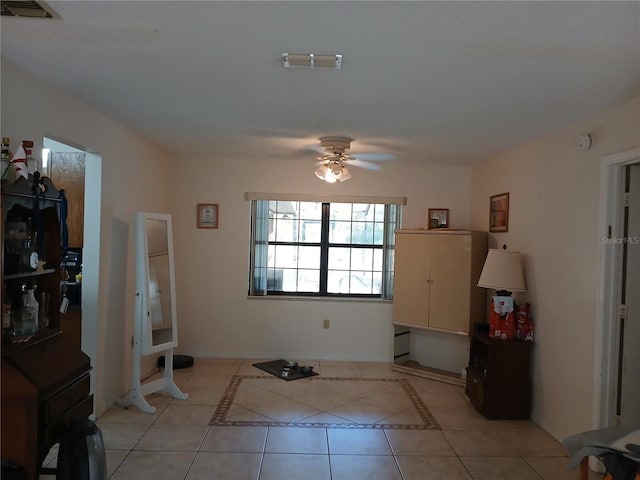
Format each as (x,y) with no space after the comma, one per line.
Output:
(45,385)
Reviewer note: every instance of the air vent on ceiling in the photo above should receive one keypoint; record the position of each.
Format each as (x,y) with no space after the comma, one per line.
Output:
(311,60)
(29,9)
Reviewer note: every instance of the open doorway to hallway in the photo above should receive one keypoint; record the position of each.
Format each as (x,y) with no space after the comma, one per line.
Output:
(628,381)
(78,172)
(65,166)
(617,367)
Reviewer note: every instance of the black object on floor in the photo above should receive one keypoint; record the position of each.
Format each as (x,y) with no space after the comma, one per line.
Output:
(81,455)
(277,367)
(179,361)
(12,471)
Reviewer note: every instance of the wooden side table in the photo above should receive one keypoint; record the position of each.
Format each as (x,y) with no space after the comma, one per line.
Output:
(499,377)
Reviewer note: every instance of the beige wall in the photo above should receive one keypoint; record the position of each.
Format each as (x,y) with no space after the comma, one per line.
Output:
(216,317)
(553,219)
(135,176)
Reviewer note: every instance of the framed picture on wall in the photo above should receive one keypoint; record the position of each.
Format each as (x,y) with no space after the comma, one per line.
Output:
(438,218)
(207,215)
(499,213)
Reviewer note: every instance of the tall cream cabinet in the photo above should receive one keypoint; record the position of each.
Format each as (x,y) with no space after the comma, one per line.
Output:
(436,301)
(435,277)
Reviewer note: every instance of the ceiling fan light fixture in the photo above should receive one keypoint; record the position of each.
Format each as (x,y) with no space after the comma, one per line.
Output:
(332,171)
(345,174)
(335,158)
(322,171)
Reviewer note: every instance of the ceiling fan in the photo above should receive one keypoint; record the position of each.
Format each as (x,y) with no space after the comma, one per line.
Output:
(332,165)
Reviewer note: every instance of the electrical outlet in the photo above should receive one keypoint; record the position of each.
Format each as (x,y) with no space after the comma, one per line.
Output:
(326,323)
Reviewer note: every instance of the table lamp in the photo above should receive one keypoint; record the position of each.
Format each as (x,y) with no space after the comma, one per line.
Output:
(502,271)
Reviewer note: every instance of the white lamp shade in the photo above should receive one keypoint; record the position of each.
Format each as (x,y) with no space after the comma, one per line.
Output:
(502,271)
(325,173)
(330,172)
(321,171)
(345,175)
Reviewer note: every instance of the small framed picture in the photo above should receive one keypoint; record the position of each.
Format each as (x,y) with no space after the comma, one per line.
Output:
(438,218)
(499,213)
(207,215)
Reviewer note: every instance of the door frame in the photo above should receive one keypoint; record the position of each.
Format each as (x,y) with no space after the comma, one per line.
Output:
(606,332)
(91,326)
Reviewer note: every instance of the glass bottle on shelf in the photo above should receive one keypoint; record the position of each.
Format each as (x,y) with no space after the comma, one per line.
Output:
(27,322)
(33,303)
(43,313)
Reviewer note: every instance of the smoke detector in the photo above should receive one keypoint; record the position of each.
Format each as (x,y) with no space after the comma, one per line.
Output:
(584,141)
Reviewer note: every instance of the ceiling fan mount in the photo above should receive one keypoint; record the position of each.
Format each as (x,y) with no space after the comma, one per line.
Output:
(336,144)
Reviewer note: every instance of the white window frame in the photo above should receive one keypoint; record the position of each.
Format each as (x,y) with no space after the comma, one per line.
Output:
(259,228)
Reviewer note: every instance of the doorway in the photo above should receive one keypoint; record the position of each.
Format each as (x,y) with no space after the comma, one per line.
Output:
(628,383)
(88,236)
(66,169)
(617,372)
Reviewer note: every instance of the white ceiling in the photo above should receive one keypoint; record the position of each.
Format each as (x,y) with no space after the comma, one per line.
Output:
(438,82)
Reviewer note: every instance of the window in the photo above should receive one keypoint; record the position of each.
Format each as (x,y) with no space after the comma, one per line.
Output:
(322,248)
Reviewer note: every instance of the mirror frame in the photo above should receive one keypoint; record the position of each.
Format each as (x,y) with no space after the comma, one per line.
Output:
(143,313)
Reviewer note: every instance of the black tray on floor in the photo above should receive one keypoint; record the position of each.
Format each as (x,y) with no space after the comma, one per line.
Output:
(275,368)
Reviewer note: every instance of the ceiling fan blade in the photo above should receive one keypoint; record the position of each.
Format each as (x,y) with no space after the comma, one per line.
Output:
(354,162)
(317,149)
(377,157)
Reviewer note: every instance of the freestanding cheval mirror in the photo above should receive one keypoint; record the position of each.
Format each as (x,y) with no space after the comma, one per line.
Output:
(156,326)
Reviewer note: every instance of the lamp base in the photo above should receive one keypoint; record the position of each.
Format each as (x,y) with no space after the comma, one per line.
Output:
(503,293)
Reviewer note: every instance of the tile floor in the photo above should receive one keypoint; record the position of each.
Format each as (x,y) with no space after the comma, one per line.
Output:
(177,443)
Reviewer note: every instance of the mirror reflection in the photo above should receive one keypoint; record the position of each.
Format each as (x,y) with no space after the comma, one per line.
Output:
(159,287)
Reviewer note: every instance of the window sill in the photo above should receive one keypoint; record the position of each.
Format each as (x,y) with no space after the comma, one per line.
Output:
(319,299)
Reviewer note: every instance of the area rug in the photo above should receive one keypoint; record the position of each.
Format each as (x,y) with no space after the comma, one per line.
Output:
(416,415)
(276,367)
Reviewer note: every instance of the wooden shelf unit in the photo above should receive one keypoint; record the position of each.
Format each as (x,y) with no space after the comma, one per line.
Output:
(45,382)
(499,377)
(45,385)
